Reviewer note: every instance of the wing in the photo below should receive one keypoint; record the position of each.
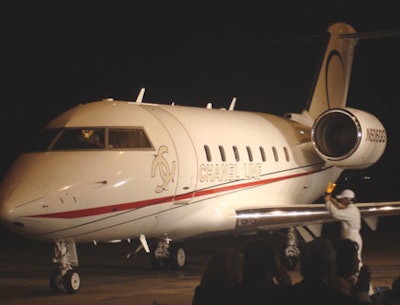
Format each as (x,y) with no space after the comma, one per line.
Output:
(311,216)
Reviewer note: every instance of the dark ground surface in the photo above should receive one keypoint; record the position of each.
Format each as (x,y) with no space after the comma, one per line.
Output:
(109,278)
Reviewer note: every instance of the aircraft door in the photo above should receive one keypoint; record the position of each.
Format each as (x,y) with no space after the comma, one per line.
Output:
(186,163)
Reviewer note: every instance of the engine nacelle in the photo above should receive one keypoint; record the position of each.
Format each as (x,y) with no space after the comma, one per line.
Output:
(348,138)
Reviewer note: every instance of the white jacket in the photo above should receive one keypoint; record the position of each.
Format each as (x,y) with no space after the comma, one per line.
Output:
(350,218)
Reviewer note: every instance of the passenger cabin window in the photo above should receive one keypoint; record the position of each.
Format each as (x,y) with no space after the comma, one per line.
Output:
(236,153)
(286,154)
(127,138)
(222,153)
(249,153)
(208,153)
(276,157)
(262,152)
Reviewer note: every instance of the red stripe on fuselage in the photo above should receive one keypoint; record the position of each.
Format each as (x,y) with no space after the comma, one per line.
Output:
(143,203)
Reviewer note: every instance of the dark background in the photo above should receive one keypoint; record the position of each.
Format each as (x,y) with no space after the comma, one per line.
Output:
(57,54)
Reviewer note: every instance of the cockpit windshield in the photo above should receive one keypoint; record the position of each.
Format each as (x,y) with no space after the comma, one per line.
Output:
(85,138)
(78,138)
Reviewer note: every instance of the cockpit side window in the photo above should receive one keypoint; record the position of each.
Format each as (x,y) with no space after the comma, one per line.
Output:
(44,139)
(127,138)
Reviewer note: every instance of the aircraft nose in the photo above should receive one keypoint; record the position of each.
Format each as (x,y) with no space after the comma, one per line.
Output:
(23,200)
(4,212)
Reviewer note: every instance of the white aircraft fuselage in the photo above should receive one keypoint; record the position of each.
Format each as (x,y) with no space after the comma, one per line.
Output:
(180,186)
(200,166)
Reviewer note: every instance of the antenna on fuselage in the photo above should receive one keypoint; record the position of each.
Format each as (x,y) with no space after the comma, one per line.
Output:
(233,103)
(139,98)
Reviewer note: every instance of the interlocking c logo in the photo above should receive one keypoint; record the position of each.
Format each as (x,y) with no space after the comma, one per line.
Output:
(166,174)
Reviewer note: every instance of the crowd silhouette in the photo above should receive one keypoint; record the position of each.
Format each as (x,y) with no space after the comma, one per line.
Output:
(264,277)
(331,274)
(221,279)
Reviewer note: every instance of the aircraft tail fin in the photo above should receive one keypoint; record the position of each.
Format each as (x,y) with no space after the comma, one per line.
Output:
(332,83)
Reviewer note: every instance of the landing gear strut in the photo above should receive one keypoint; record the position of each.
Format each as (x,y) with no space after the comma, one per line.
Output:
(166,255)
(64,278)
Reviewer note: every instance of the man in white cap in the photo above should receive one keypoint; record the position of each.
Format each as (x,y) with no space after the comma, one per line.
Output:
(343,208)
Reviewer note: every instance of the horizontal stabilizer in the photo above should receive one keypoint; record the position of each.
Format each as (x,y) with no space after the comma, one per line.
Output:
(371,35)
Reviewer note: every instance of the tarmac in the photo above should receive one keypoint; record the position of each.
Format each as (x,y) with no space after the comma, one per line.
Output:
(108,277)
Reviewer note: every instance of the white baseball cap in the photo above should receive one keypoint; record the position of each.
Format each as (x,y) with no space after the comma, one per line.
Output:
(346,194)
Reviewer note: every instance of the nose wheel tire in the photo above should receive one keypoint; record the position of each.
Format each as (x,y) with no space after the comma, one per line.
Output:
(168,256)
(178,258)
(70,282)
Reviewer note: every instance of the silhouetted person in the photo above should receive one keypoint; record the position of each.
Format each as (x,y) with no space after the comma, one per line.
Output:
(318,268)
(390,296)
(264,277)
(220,280)
(350,279)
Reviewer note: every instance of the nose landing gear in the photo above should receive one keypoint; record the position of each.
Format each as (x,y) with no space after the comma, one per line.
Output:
(64,278)
(168,255)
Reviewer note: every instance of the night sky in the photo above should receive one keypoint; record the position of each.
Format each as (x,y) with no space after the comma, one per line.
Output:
(57,54)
